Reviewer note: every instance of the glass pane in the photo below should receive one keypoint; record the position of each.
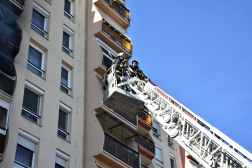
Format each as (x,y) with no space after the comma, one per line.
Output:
(67,6)
(110,146)
(131,118)
(64,76)
(65,39)
(29,116)
(23,155)
(106,61)
(35,57)
(117,36)
(116,6)
(104,50)
(125,13)
(122,153)
(106,28)
(172,163)
(64,89)
(31,101)
(61,134)
(3,115)
(133,160)
(38,19)
(108,1)
(62,120)
(126,44)
(6,84)
(58,166)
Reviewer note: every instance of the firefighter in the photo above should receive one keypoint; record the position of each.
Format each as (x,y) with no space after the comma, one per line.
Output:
(135,71)
(118,60)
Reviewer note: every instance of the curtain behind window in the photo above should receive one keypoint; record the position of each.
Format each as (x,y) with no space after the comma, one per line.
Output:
(23,155)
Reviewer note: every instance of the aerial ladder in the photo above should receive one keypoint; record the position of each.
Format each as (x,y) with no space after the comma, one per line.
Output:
(206,144)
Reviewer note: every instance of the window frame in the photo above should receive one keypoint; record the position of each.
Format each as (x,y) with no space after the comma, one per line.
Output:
(170,141)
(70,33)
(42,60)
(38,92)
(6,105)
(68,80)
(27,141)
(106,47)
(172,157)
(161,161)
(67,110)
(156,134)
(44,13)
(71,10)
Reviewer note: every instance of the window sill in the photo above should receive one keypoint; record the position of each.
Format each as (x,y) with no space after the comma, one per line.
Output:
(31,120)
(37,74)
(158,138)
(66,93)
(48,2)
(40,34)
(68,54)
(63,139)
(171,147)
(70,19)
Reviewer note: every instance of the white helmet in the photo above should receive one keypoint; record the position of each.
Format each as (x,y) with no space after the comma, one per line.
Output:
(135,62)
(121,55)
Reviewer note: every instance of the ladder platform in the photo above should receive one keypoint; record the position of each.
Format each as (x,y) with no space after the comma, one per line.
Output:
(124,101)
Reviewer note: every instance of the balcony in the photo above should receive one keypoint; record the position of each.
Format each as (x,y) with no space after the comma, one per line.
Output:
(7,83)
(146,147)
(127,116)
(121,151)
(144,121)
(115,10)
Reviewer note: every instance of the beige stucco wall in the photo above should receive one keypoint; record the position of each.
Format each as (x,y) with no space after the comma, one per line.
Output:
(46,132)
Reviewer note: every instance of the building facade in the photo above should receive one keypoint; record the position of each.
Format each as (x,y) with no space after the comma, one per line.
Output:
(56,116)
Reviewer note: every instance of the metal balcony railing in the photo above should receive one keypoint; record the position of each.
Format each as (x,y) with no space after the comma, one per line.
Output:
(121,151)
(146,143)
(116,35)
(123,11)
(146,117)
(127,116)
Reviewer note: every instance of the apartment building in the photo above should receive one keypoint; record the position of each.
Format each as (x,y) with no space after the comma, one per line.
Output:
(53,115)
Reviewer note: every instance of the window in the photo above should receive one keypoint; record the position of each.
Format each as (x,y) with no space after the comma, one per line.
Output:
(39,20)
(35,60)
(25,151)
(108,54)
(170,141)
(31,102)
(61,159)
(155,129)
(65,79)
(67,40)
(4,115)
(158,155)
(68,9)
(63,121)
(172,161)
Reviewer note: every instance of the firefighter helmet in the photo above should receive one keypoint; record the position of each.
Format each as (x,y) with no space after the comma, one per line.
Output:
(121,55)
(135,62)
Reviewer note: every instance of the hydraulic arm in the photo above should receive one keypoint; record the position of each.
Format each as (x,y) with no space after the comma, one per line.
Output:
(210,147)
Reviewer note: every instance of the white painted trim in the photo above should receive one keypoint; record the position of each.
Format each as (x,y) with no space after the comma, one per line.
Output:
(104,45)
(65,108)
(28,136)
(33,88)
(156,145)
(62,155)
(43,55)
(68,31)
(172,156)
(5,105)
(5,97)
(40,10)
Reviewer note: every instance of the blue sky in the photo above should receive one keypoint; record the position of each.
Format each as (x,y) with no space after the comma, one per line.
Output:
(199,52)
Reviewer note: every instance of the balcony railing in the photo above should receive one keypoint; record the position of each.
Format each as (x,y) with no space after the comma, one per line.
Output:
(127,116)
(121,151)
(146,143)
(146,117)
(123,11)
(116,35)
